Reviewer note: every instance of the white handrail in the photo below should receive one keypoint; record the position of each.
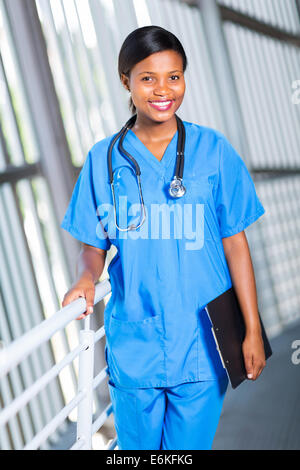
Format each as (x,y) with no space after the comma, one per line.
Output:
(54,423)
(35,388)
(19,349)
(15,352)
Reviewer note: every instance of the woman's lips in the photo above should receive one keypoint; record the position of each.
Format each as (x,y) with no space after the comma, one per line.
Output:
(161,105)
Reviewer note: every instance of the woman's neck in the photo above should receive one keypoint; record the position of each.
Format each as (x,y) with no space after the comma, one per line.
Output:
(152,131)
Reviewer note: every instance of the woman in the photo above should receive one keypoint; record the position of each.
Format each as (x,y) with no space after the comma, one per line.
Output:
(166,380)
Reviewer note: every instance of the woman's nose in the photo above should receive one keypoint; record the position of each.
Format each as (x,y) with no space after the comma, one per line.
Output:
(161,88)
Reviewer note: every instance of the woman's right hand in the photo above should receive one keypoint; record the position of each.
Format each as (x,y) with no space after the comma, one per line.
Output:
(85,287)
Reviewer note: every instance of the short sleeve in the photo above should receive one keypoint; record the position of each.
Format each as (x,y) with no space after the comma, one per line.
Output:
(81,219)
(237,204)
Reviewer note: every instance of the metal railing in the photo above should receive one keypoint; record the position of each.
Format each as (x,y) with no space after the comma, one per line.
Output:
(19,349)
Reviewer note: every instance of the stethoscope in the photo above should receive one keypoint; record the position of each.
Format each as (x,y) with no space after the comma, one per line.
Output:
(176,189)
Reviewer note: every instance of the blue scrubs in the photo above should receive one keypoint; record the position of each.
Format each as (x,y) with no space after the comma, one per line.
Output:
(163,275)
(184,417)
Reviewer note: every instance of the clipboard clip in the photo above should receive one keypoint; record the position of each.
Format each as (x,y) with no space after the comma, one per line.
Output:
(216,341)
(218,349)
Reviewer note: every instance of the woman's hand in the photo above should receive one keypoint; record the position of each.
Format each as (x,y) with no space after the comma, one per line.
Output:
(254,354)
(85,287)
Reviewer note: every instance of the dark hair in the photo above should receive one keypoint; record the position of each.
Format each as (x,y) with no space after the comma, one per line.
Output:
(143,42)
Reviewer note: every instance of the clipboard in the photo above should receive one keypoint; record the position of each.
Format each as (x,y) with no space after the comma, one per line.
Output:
(228,329)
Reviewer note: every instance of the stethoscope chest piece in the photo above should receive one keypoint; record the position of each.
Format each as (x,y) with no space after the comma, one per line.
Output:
(176,188)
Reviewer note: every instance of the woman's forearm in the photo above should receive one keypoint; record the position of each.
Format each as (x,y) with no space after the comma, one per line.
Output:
(90,262)
(242,274)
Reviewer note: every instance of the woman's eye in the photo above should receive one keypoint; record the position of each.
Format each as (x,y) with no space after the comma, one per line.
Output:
(172,76)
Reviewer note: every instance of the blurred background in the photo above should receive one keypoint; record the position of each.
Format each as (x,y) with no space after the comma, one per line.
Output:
(59,94)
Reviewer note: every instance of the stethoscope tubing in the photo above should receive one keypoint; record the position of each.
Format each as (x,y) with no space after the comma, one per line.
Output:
(178,171)
(123,132)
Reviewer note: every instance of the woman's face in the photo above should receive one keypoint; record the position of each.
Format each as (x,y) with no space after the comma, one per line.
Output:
(156,79)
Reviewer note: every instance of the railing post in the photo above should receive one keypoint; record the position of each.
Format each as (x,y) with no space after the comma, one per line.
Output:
(85,383)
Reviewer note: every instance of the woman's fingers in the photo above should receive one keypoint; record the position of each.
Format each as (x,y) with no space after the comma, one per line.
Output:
(72,295)
(254,356)
(258,368)
(88,294)
(248,365)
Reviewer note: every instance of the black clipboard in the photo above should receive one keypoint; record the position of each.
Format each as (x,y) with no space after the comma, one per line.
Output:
(228,329)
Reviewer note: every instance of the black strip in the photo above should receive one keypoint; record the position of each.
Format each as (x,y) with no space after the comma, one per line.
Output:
(260,174)
(246,21)
(13,174)
(249,22)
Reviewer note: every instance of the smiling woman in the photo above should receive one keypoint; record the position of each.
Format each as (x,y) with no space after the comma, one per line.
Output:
(154,74)
(166,380)
(157,92)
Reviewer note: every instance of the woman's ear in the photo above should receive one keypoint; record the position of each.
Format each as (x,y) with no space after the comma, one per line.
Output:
(125,81)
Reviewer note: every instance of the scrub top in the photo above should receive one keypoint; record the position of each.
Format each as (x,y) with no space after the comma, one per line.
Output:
(164,273)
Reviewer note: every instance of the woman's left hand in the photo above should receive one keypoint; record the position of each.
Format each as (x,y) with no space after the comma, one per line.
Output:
(254,355)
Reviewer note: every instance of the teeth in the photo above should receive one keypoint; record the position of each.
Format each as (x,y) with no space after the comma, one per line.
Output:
(160,103)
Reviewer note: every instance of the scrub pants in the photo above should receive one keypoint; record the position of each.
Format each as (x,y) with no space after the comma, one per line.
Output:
(183,417)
